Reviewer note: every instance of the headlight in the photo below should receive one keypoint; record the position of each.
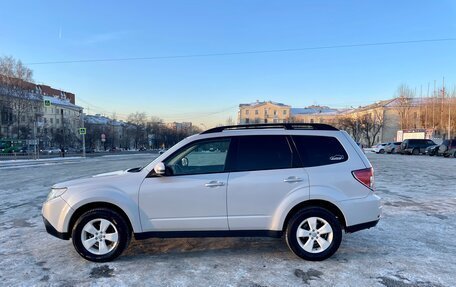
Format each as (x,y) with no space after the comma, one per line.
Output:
(56,192)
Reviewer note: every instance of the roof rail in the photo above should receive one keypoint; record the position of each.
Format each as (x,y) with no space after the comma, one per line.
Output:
(286,126)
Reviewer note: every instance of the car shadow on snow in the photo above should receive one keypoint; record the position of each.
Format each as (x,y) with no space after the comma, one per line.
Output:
(245,246)
(220,246)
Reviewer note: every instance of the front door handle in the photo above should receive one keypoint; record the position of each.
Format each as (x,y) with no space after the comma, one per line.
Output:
(214,183)
(292,179)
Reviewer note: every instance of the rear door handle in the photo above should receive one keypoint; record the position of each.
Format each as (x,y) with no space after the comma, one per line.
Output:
(292,179)
(214,183)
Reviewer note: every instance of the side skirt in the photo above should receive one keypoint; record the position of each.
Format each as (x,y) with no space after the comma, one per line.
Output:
(209,233)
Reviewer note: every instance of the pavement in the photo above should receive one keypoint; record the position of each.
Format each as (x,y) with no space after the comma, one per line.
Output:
(413,245)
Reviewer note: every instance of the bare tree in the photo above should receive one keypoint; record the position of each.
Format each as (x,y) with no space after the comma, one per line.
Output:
(229,121)
(139,121)
(17,97)
(404,103)
(371,125)
(351,125)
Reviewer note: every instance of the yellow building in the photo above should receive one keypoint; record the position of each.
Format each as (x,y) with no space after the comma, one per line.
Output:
(263,112)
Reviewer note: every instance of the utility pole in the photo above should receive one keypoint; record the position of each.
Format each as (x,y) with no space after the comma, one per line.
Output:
(441,110)
(63,133)
(433,108)
(450,99)
(81,118)
(426,107)
(421,103)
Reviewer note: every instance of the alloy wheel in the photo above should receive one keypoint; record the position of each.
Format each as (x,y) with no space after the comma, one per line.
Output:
(99,236)
(314,235)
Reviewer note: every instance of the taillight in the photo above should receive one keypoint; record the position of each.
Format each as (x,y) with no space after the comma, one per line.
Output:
(365,176)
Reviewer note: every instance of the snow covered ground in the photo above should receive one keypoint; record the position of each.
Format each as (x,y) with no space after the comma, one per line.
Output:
(413,245)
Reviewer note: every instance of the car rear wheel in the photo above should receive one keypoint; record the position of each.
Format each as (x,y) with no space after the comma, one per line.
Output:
(382,151)
(415,151)
(101,235)
(314,234)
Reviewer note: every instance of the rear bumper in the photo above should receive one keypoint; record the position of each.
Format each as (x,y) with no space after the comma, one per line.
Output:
(361,226)
(51,230)
(361,213)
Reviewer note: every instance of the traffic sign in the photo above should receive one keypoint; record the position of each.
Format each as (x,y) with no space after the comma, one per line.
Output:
(82,131)
(47,103)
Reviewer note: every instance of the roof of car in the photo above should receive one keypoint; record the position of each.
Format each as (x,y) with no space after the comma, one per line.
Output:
(285,126)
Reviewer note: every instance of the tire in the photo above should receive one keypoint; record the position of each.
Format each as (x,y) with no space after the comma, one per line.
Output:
(306,246)
(101,249)
(393,151)
(415,151)
(382,151)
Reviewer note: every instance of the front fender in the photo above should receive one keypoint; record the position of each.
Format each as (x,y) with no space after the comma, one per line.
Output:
(110,195)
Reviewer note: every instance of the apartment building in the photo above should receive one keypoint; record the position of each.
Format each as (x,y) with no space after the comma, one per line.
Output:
(40,112)
(263,112)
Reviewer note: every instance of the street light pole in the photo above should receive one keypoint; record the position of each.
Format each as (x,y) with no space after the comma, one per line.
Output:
(83,135)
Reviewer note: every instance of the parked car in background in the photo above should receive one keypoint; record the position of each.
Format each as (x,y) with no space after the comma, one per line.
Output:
(415,146)
(161,151)
(380,148)
(71,150)
(392,147)
(52,150)
(447,148)
(432,150)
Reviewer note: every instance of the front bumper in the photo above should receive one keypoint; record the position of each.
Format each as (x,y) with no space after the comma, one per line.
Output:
(51,230)
(56,216)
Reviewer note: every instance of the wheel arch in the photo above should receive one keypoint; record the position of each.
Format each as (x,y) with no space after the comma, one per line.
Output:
(316,203)
(93,205)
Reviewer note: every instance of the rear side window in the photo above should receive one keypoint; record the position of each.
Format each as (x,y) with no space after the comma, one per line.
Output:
(319,150)
(262,153)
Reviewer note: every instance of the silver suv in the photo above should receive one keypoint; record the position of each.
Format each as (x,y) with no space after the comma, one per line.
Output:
(306,182)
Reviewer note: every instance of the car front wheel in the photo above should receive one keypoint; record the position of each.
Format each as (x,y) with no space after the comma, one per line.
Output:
(314,234)
(101,235)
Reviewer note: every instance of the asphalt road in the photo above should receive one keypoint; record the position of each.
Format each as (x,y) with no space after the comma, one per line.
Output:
(413,245)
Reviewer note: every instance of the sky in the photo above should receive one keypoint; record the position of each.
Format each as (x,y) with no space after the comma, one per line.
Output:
(207,90)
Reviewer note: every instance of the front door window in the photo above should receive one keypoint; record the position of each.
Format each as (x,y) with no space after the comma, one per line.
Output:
(207,156)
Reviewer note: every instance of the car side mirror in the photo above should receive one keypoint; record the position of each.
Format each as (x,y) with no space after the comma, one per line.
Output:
(159,168)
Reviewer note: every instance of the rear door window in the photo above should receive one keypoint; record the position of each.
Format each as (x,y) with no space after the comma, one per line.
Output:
(263,153)
(320,150)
